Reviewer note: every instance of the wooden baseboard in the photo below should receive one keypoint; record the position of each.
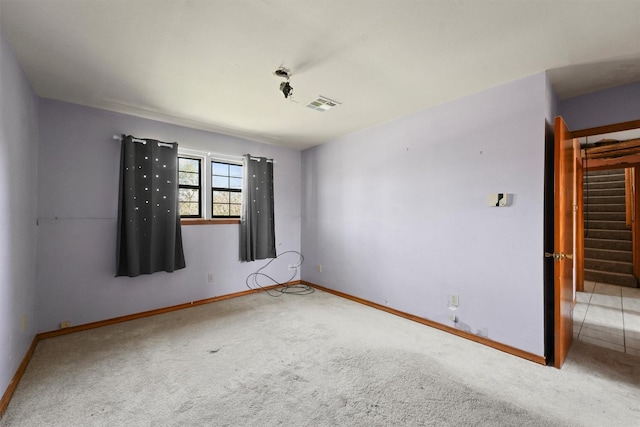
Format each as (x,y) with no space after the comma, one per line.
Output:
(482,340)
(113,321)
(44,335)
(11,388)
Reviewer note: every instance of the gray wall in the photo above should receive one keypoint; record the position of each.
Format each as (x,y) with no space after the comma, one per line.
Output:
(397,214)
(552,103)
(77,211)
(606,107)
(18,204)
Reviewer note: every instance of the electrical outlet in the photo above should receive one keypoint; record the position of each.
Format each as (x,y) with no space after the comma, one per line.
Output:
(453,317)
(65,324)
(319,268)
(210,277)
(453,300)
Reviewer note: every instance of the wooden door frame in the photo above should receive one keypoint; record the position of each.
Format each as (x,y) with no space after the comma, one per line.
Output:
(616,127)
(627,162)
(560,335)
(578,250)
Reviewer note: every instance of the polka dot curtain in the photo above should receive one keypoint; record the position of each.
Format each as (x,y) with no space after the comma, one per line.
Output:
(149,233)
(257,225)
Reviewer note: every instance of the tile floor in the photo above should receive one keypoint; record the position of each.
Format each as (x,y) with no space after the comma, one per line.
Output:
(608,316)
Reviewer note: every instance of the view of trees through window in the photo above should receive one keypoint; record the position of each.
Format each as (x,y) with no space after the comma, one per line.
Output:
(226,187)
(189,187)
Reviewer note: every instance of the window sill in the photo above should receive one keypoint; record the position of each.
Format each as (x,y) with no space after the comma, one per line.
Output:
(200,221)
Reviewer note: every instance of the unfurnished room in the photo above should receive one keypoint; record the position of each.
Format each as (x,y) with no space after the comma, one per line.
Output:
(319,213)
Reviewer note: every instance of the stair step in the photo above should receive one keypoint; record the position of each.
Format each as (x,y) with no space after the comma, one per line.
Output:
(608,254)
(605,216)
(608,266)
(609,234)
(608,241)
(606,225)
(593,207)
(627,280)
(598,192)
(605,172)
(604,178)
(588,185)
(616,245)
(606,200)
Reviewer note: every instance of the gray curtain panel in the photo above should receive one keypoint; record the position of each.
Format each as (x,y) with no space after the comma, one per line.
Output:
(149,233)
(257,224)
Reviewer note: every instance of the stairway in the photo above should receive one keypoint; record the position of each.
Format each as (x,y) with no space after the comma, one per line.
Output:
(608,256)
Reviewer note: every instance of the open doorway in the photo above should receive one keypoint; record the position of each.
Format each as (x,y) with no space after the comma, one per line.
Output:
(608,226)
(607,246)
(607,242)
(564,233)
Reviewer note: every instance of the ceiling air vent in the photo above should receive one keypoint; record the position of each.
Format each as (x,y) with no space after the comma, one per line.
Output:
(322,104)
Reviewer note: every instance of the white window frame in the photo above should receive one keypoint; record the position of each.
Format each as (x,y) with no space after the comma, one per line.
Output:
(202,189)
(206,183)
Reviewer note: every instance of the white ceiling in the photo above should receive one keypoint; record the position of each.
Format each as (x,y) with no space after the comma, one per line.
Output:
(209,64)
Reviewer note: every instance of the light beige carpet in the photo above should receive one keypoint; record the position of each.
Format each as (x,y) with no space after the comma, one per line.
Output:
(314,360)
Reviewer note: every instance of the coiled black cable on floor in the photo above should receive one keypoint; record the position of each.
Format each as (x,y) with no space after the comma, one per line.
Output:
(252,280)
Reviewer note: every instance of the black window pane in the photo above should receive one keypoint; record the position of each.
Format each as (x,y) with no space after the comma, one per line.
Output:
(220,181)
(189,195)
(235,170)
(235,183)
(219,169)
(188,165)
(235,210)
(190,209)
(220,210)
(189,201)
(221,197)
(235,197)
(189,178)
(226,176)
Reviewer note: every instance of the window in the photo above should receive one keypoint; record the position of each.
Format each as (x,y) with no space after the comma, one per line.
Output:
(190,187)
(226,189)
(204,176)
